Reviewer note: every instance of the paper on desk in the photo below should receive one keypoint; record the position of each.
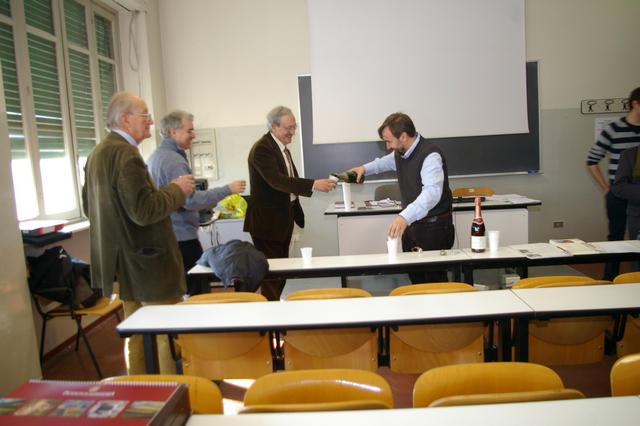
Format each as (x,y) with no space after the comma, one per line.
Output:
(513,198)
(539,250)
(576,246)
(617,247)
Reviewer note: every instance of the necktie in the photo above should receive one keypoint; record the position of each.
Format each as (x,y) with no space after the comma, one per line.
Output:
(289,161)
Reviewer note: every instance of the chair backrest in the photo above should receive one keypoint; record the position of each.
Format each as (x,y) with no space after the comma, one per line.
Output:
(566,341)
(391,191)
(204,396)
(417,348)
(483,378)
(224,297)
(431,288)
(330,348)
(327,293)
(501,398)
(477,191)
(219,356)
(630,341)
(532,282)
(625,376)
(627,278)
(309,390)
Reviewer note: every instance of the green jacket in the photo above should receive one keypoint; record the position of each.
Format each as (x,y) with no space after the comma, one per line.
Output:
(132,240)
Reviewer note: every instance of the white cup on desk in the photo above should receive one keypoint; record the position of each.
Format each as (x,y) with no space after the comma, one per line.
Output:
(346,194)
(392,247)
(306,255)
(494,240)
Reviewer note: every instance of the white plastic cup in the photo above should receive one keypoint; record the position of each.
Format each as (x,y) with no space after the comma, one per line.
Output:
(494,241)
(346,193)
(392,247)
(306,255)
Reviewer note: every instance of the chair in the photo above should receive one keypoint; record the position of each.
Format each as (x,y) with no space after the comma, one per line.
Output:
(104,306)
(204,396)
(318,390)
(478,191)
(501,398)
(625,376)
(484,378)
(219,356)
(391,191)
(566,341)
(630,341)
(414,349)
(330,348)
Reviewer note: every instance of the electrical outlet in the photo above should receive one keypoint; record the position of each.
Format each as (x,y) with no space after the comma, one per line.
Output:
(558,224)
(295,237)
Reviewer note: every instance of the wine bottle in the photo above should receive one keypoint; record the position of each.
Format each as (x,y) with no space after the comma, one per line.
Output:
(478,233)
(348,177)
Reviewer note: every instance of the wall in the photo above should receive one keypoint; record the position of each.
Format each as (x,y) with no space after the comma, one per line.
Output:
(233,62)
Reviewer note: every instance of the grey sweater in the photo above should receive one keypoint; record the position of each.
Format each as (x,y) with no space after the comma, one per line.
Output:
(167,163)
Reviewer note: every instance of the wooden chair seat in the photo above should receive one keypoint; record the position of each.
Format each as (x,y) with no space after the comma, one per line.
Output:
(625,376)
(630,341)
(501,398)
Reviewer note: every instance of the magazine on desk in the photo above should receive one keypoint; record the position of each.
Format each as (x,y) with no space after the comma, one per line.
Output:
(52,402)
(575,246)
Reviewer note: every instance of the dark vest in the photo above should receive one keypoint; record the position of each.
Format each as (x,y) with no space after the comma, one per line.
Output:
(411,182)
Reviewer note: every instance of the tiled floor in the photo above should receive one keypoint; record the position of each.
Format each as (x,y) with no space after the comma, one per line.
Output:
(591,379)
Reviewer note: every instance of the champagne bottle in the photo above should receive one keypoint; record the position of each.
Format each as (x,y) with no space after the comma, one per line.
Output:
(478,233)
(348,177)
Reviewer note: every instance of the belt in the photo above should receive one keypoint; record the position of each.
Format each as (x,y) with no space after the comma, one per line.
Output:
(440,216)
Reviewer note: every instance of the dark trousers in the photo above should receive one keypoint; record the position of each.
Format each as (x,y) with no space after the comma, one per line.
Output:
(617,214)
(429,234)
(272,289)
(191,251)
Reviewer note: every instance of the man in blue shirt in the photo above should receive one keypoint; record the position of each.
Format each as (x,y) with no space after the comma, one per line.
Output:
(168,162)
(425,222)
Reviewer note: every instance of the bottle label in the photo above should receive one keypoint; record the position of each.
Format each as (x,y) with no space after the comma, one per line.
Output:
(478,243)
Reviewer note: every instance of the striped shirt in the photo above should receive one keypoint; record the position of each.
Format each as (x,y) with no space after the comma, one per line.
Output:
(614,138)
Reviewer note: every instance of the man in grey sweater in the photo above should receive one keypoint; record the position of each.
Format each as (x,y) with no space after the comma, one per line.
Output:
(168,162)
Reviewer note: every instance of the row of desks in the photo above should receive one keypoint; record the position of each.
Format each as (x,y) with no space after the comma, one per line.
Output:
(462,261)
(501,306)
(585,412)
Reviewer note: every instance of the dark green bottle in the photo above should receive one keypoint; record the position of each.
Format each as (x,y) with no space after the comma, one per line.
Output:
(348,177)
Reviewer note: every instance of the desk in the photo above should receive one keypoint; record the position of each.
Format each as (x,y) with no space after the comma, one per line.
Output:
(149,321)
(624,410)
(364,230)
(558,302)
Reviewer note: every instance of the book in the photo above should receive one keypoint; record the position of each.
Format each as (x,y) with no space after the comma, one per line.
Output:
(52,403)
(41,227)
(575,246)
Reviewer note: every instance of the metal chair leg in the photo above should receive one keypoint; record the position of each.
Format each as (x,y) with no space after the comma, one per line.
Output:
(86,342)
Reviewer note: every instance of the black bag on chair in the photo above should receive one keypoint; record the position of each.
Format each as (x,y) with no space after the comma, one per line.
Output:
(57,276)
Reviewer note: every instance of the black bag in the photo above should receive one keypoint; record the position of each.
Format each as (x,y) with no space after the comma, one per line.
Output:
(57,276)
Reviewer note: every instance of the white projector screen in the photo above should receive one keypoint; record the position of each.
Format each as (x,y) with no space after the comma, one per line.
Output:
(456,67)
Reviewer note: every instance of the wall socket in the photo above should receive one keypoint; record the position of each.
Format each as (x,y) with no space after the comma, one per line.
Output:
(558,224)
(295,237)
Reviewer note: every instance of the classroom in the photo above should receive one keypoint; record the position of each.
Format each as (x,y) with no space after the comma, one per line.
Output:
(230,62)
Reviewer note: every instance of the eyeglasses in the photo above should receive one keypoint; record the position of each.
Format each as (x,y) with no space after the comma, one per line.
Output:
(147,116)
(289,129)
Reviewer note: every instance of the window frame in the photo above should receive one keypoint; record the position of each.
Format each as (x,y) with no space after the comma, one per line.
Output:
(20,30)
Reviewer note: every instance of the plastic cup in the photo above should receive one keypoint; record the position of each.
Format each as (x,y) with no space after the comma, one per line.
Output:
(346,193)
(306,255)
(494,241)
(392,247)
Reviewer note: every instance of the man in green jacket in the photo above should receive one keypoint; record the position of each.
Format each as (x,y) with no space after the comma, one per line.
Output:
(132,241)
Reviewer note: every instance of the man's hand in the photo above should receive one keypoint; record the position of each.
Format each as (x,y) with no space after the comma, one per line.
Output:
(360,171)
(238,186)
(324,185)
(187,183)
(397,227)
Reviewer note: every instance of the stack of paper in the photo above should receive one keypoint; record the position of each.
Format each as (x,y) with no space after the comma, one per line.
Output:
(575,246)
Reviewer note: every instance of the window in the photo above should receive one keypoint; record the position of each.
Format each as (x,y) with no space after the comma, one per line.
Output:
(59,70)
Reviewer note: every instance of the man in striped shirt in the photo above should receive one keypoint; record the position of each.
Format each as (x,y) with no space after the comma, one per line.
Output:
(615,137)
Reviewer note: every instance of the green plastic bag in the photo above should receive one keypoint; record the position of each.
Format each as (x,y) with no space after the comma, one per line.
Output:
(233,207)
